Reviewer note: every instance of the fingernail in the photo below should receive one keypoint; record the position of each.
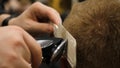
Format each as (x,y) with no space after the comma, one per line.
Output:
(56,26)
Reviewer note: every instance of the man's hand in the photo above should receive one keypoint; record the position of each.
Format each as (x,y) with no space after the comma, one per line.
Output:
(18,49)
(37,18)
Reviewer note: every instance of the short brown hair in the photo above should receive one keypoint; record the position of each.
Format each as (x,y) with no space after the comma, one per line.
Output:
(95,24)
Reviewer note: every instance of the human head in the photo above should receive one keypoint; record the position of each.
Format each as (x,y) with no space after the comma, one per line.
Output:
(95,24)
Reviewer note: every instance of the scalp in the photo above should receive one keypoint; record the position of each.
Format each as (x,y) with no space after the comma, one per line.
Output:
(95,24)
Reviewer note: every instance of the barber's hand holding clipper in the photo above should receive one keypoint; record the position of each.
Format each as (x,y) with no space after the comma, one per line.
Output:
(17,48)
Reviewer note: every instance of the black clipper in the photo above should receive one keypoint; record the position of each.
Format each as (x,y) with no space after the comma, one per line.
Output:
(52,49)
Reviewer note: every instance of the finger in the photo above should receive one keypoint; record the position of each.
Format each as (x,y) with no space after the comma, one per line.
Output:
(20,63)
(35,50)
(13,60)
(43,10)
(53,15)
(41,27)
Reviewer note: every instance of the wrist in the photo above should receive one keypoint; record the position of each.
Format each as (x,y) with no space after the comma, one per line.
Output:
(3,17)
(11,21)
(7,20)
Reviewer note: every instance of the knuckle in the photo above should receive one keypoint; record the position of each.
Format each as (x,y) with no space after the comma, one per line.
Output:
(16,34)
(12,29)
(17,40)
(16,28)
(12,57)
(36,4)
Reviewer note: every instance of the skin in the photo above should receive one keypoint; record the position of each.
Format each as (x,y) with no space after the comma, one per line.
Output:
(31,16)
(31,19)
(17,48)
